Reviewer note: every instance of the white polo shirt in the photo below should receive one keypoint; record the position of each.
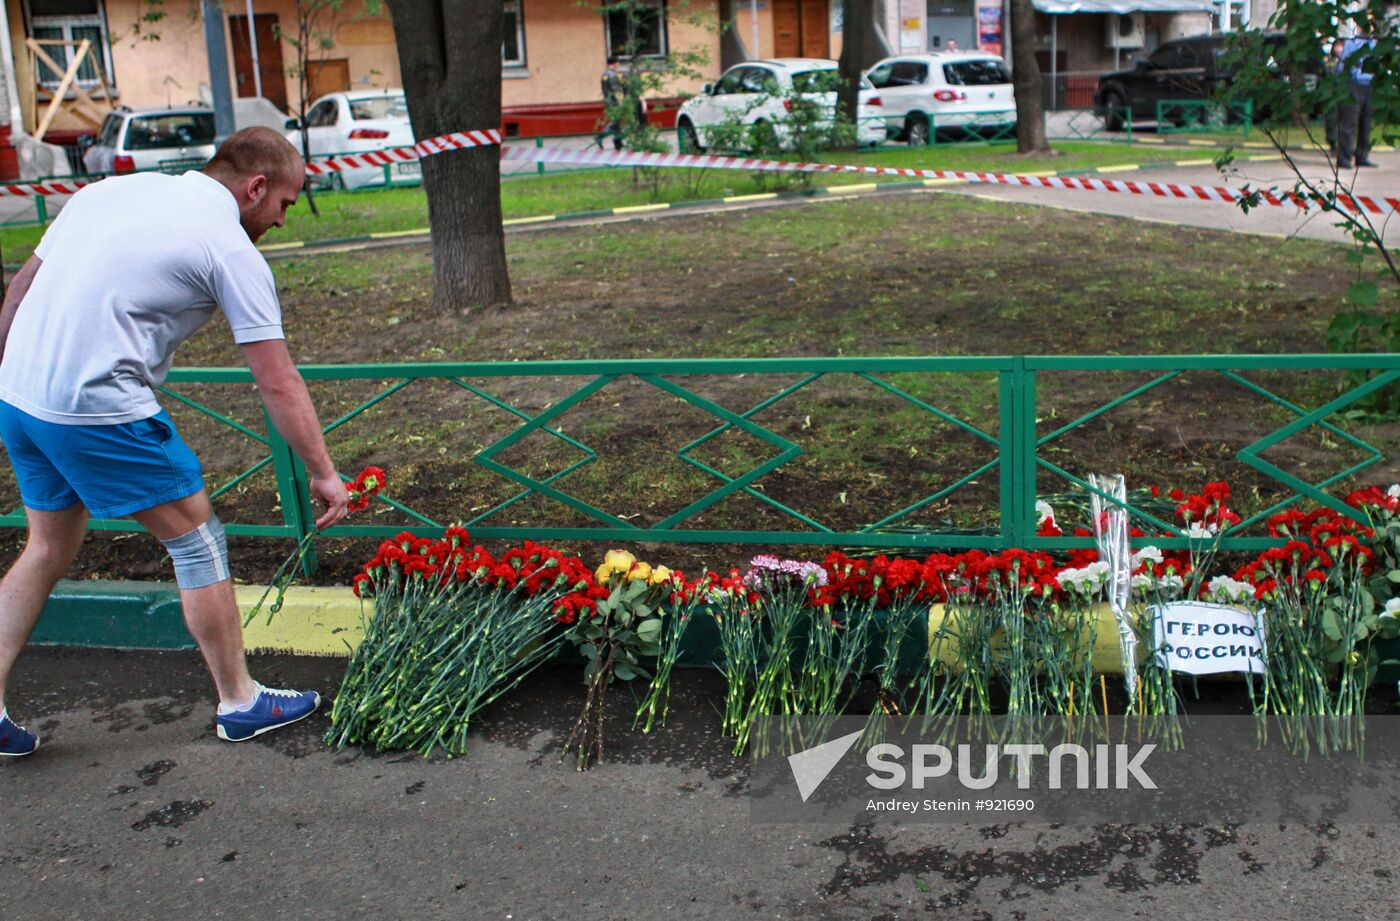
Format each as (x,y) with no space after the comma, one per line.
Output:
(132,267)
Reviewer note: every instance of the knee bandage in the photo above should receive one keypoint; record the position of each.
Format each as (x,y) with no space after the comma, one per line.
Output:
(201,556)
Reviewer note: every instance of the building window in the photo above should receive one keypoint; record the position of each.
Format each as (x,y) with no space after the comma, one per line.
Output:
(636,28)
(71,21)
(513,28)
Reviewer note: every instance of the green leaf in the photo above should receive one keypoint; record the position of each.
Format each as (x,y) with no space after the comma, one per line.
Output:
(1393,575)
(624,671)
(650,630)
(1362,293)
(1330,627)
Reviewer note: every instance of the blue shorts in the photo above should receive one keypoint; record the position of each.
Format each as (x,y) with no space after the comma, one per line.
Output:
(114,470)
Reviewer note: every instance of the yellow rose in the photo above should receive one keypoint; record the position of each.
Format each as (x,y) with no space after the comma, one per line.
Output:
(640,572)
(616,561)
(660,575)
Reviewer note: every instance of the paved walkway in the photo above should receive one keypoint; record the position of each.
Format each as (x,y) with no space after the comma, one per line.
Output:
(134,810)
(1270,170)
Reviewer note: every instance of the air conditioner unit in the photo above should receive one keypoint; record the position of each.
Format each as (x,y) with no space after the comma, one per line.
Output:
(1125,31)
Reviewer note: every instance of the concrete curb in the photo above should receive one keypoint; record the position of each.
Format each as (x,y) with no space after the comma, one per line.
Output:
(319,621)
(146,615)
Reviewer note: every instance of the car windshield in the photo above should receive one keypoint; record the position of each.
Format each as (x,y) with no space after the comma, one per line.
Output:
(183,129)
(377,107)
(976,73)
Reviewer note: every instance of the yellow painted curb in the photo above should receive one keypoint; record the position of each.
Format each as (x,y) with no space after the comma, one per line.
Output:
(327,622)
(312,622)
(392,234)
(638,209)
(757,196)
(1193,163)
(1106,657)
(1117,169)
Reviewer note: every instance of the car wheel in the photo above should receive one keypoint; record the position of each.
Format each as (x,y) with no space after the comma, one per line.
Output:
(1114,110)
(762,137)
(690,138)
(916,131)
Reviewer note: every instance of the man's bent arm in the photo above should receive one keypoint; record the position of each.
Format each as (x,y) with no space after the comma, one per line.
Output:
(19,287)
(289,404)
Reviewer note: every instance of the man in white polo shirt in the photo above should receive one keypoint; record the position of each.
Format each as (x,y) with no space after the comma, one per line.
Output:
(132,267)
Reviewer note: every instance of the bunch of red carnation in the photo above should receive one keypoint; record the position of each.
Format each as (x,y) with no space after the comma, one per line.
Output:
(1209,508)
(1373,498)
(365,487)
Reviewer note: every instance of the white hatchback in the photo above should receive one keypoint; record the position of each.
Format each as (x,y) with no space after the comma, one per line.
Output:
(171,140)
(969,90)
(359,122)
(757,93)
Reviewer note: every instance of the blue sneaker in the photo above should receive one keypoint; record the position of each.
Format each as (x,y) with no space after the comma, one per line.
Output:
(273,708)
(15,741)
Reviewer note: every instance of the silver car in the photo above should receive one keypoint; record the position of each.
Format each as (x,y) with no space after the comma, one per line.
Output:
(171,139)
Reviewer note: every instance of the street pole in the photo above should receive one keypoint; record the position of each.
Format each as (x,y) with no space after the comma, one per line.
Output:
(253,45)
(219,86)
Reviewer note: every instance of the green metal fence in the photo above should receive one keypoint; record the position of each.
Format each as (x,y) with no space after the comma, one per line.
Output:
(1187,116)
(1020,445)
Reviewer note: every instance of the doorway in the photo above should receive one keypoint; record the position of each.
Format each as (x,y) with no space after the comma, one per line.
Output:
(951,20)
(274,78)
(801,29)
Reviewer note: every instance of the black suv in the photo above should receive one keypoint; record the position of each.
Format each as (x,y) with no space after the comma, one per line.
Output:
(1181,69)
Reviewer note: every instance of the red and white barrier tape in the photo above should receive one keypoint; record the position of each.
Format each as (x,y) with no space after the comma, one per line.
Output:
(455,141)
(1217,193)
(1374,205)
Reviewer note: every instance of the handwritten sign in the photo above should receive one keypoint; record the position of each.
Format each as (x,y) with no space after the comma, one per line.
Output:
(1198,638)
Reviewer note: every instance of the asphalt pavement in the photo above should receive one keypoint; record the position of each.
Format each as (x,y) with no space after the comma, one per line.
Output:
(1268,171)
(134,810)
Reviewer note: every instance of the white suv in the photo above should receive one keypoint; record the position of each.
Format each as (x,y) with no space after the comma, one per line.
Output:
(756,93)
(173,140)
(970,90)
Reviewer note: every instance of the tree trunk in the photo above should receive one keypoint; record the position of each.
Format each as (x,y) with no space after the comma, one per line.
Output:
(450,61)
(861,46)
(732,48)
(1030,106)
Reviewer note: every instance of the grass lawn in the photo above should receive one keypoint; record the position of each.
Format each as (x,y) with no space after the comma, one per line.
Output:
(917,274)
(348,214)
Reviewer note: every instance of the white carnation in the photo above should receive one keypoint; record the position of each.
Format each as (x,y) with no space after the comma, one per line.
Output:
(1225,590)
(1154,554)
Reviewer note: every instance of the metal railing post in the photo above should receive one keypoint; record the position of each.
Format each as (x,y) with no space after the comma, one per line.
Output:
(1025,408)
(293,493)
(1007,438)
(41,209)
(539,143)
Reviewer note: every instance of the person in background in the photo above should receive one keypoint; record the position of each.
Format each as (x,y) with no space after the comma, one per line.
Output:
(1354,117)
(1332,65)
(613,92)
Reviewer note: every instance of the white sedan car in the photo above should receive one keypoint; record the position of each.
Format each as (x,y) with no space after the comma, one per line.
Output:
(755,93)
(358,122)
(970,90)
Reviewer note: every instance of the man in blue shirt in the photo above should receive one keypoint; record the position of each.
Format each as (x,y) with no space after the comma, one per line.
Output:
(1354,118)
